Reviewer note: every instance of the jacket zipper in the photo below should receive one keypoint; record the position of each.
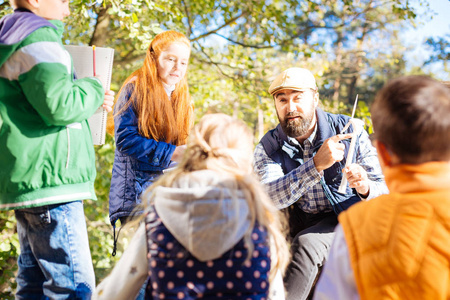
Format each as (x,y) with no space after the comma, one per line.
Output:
(68,147)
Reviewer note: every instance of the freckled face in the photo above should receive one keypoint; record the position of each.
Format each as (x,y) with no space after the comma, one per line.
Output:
(173,63)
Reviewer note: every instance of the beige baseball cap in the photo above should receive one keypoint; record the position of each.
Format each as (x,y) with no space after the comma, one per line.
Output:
(293,79)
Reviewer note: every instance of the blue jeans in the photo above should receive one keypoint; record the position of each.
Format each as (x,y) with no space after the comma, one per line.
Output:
(55,260)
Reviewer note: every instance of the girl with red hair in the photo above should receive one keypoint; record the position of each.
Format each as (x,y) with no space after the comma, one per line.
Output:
(152,116)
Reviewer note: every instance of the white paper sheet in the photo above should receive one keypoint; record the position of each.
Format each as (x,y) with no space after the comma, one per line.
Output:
(83,62)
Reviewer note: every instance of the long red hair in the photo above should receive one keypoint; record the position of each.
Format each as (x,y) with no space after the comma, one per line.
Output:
(159,118)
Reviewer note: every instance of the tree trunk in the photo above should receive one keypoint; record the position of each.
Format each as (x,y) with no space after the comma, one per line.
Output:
(100,34)
(337,81)
(357,70)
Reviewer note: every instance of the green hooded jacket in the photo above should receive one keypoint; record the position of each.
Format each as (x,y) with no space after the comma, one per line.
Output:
(46,150)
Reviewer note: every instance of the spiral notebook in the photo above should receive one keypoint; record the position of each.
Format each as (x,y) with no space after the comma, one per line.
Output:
(83,63)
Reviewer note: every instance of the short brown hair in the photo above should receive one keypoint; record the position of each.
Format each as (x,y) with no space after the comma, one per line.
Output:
(18,3)
(411,116)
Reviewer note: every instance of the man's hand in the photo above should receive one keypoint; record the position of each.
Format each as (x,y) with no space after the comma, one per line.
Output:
(108,101)
(357,179)
(330,152)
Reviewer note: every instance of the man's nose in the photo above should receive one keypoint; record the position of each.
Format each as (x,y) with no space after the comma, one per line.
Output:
(291,106)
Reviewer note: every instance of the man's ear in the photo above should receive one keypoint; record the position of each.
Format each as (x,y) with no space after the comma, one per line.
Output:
(386,157)
(316,98)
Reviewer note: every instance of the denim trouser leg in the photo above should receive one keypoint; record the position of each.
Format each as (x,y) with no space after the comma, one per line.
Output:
(310,249)
(55,260)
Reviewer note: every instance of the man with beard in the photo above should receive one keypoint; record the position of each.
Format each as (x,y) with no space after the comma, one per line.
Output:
(302,162)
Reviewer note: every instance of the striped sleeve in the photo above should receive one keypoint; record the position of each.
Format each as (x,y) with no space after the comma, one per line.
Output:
(43,69)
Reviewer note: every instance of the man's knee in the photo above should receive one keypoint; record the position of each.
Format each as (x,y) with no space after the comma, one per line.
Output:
(311,246)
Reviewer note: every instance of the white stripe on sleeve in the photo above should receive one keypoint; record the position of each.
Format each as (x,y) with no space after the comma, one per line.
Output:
(24,59)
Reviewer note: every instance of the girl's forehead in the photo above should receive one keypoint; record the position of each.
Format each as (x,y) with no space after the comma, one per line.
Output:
(177,46)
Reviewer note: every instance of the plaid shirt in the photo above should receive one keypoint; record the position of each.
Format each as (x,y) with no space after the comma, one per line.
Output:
(302,185)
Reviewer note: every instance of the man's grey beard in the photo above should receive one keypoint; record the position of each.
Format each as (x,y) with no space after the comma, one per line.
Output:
(296,127)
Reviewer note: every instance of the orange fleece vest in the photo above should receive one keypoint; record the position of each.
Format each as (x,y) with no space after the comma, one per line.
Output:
(399,244)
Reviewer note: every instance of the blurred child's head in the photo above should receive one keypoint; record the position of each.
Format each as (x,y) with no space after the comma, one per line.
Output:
(224,144)
(221,143)
(411,119)
(47,9)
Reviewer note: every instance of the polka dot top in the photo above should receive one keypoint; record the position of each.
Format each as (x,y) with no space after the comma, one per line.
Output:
(174,273)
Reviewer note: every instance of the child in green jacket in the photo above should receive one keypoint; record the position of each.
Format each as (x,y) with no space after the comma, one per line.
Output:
(47,161)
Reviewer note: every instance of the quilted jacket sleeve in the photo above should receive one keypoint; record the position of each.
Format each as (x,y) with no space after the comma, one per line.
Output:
(130,142)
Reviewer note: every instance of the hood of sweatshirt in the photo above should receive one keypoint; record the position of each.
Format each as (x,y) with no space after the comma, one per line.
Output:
(205,212)
(15,27)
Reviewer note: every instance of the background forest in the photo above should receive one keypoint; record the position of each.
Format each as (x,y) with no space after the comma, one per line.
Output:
(353,47)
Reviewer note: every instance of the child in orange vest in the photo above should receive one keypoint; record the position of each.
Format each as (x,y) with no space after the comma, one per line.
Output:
(397,246)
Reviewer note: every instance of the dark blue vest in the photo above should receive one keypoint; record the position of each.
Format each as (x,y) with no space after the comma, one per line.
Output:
(328,125)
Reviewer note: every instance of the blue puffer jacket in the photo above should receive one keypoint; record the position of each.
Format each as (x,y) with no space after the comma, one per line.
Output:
(138,161)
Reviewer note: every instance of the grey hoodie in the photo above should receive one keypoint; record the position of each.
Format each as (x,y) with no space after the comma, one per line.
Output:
(205,212)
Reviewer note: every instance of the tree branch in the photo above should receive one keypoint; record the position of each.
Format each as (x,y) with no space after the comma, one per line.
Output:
(4,5)
(101,33)
(213,62)
(218,66)
(210,62)
(129,59)
(256,46)
(218,28)
(188,16)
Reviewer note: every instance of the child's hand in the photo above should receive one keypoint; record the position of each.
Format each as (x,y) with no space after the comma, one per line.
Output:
(109,100)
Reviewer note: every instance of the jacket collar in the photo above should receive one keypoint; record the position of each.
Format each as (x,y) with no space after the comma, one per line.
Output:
(323,128)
